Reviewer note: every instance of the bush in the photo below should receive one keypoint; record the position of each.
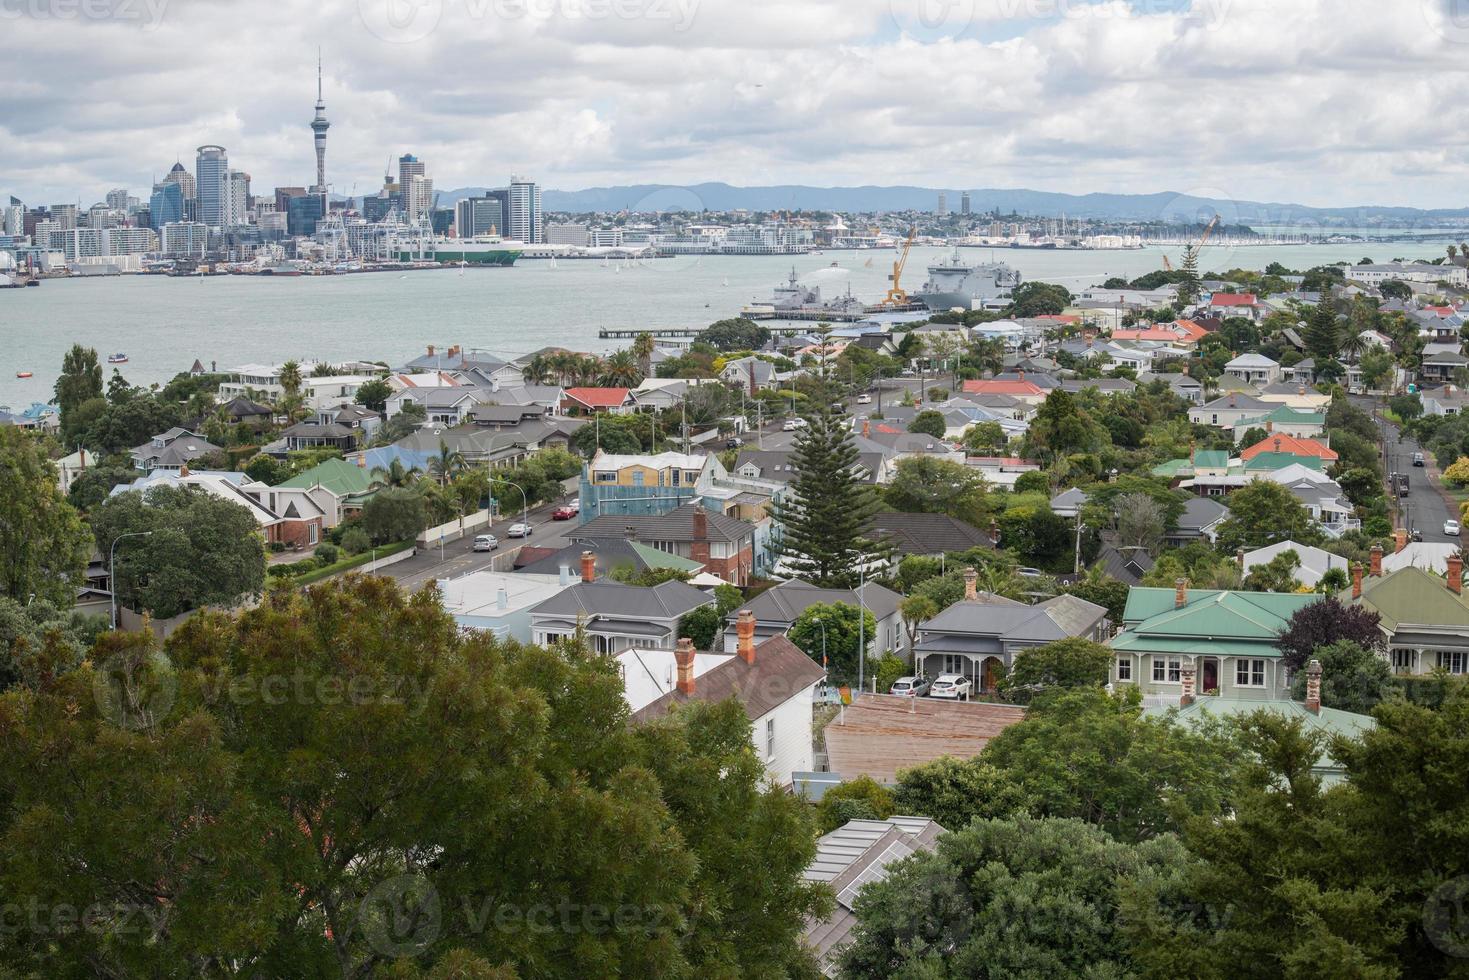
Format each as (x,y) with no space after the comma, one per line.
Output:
(1033,482)
(857,799)
(277,547)
(327,553)
(355,541)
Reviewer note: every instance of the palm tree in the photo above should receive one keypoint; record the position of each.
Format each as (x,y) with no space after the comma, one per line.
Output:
(291,378)
(443,466)
(621,370)
(537,371)
(395,475)
(642,349)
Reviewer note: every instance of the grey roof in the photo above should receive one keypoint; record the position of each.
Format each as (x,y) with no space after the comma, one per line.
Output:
(614,600)
(506,413)
(242,407)
(1200,512)
(926,534)
(460,361)
(781,671)
(1056,618)
(785,602)
(315,430)
(609,553)
(181,446)
(449,397)
(676,525)
(1070,498)
(477,440)
(910,442)
(1104,385)
(1238,401)
(1125,565)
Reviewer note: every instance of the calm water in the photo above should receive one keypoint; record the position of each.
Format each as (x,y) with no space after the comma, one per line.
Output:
(163,323)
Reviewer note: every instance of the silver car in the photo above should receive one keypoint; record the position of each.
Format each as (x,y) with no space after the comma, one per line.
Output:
(486,542)
(909,687)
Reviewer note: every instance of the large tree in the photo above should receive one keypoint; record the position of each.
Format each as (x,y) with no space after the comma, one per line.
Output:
(1057,666)
(1322,336)
(735,334)
(828,506)
(80,381)
(1324,623)
(43,544)
(1262,513)
(930,485)
(1353,677)
(832,633)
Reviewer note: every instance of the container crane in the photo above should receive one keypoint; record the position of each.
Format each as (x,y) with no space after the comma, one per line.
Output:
(896,295)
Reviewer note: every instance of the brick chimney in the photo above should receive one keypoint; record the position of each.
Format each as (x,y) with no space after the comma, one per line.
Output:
(1399,540)
(745,631)
(1356,580)
(588,566)
(683,655)
(1180,593)
(994,533)
(1313,687)
(1187,676)
(1376,561)
(971,589)
(1456,573)
(1269,426)
(701,523)
(699,547)
(1277,443)
(430,350)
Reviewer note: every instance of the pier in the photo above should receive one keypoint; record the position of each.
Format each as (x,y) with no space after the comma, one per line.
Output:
(681,333)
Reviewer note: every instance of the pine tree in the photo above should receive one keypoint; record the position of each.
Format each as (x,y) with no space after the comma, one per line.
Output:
(1189,283)
(828,507)
(1322,338)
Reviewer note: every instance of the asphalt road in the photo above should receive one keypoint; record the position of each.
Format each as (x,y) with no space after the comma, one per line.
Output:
(458,558)
(1425,508)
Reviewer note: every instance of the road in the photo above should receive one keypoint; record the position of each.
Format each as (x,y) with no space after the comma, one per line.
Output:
(1426,507)
(458,558)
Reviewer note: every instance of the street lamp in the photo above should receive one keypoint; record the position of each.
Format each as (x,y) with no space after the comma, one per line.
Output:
(523,499)
(112,568)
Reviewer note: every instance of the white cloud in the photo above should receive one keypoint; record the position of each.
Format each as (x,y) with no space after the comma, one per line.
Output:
(1317,101)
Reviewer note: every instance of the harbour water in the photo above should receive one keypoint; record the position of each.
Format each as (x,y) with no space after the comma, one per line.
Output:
(165,323)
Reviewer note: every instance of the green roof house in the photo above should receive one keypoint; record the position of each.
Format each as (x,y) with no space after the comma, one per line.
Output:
(1285,420)
(338,487)
(1424,617)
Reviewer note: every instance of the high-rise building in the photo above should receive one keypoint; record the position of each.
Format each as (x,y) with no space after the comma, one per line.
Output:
(569,233)
(943,204)
(117,199)
(185,238)
(101,216)
(212,173)
(304,213)
(964,203)
(188,186)
(525,210)
(476,216)
(167,203)
(13,219)
(319,126)
(239,209)
(64,216)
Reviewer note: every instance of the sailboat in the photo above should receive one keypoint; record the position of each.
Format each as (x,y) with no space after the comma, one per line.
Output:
(725,282)
(867,264)
(553,261)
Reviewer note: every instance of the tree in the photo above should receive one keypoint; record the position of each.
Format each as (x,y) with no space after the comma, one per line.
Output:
(929,485)
(1276,575)
(1321,335)
(1061,427)
(929,422)
(916,610)
(828,633)
(408,420)
(290,379)
(267,469)
(984,439)
(735,334)
(955,792)
(1376,364)
(727,598)
(39,641)
(394,515)
(446,464)
(1011,898)
(828,507)
(1406,407)
(1036,481)
(93,485)
(1038,299)
(1353,678)
(856,799)
(1262,513)
(395,475)
(1141,522)
(1097,587)
(702,625)
(1189,284)
(44,546)
(1458,473)
(642,348)
(373,395)
(1059,665)
(1324,623)
(80,381)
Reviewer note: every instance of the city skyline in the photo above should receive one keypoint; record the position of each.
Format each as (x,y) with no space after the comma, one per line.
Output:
(1232,98)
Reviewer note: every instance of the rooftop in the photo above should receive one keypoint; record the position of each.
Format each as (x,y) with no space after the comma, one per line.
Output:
(879,735)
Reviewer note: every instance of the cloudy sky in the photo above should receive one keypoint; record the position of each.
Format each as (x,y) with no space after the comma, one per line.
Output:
(1320,102)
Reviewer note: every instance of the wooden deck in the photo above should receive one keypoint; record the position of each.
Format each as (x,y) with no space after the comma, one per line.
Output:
(880,735)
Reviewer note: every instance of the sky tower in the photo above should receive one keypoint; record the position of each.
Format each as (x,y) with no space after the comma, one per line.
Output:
(319,126)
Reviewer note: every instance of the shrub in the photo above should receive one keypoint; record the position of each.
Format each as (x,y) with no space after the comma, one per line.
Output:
(355,541)
(327,553)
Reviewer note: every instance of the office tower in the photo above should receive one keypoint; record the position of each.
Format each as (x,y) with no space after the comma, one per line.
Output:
(525,210)
(13,219)
(943,204)
(64,216)
(304,213)
(479,216)
(964,203)
(167,204)
(239,200)
(319,126)
(100,216)
(212,173)
(117,199)
(187,186)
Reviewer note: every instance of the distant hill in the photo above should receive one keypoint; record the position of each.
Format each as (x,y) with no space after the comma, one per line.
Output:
(1167,206)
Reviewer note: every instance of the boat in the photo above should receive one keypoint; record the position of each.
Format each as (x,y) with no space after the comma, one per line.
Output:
(23,374)
(118,358)
(454,251)
(953,283)
(794,298)
(33,281)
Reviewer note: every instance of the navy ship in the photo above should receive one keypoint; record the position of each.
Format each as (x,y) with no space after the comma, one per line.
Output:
(954,283)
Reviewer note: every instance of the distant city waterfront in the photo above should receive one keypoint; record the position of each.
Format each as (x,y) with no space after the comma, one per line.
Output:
(163,323)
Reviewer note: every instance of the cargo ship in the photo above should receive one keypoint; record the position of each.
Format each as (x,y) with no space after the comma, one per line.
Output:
(458,251)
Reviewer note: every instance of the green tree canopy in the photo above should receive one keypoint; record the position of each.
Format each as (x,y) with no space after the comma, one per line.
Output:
(1262,513)
(735,334)
(394,515)
(1353,677)
(929,422)
(44,546)
(830,630)
(1059,665)
(702,625)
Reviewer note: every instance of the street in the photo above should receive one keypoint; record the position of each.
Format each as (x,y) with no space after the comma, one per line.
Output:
(457,558)
(1425,508)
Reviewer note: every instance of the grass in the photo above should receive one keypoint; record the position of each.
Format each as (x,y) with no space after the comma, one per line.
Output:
(347,564)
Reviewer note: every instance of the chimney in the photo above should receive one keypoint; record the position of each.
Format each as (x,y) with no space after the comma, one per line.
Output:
(1376,561)
(1239,557)
(1313,687)
(971,589)
(502,599)
(1456,573)
(994,533)
(565,574)
(1269,426)
(630,533)
(430,350)
(1277,443)
(866,428)
(745,631)
(1399,540)
(1022,374)
(683,655)
(1301,390)
(1356,580)
(754,389)
(1180,593)
(1187,676)
(588,566)
(701,523)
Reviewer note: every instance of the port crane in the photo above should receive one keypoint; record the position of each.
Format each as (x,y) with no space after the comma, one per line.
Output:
(1195,249)
(896,295)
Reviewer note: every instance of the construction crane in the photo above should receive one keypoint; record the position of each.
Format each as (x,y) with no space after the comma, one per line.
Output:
(1195,249)
(896,296)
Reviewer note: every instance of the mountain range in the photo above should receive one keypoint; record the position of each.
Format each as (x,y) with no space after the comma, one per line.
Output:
(1163,206)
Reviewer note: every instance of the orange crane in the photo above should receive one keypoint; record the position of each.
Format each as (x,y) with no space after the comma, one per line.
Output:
(896,295)
(1203,240)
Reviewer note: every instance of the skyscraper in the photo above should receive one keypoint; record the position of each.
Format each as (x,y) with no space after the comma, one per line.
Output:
(212,173)
(525,210)
(239,198)
(319,126)
(416,187)
(185,180)
(117,199)
(964,203)
(167,204)
(943,205)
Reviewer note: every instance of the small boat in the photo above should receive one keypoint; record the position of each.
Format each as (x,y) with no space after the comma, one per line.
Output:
(23,374)
(117,358)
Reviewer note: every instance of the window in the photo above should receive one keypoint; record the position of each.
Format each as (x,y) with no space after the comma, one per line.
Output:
(770,738)
(603,476)
(1402,661)
(314,532)
(676,475)
(1124,669)
(1249,673)
(955,664)
(637,478)
(1167,670)
(1452,661)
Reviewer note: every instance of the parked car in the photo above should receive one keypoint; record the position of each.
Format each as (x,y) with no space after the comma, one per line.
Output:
(734,442)
(950,686)
(518,530)
(1451,528)
(791,425)
(1025,571)
(864,399)
(1417,459)
(486,542)
(567,511)
(909,687)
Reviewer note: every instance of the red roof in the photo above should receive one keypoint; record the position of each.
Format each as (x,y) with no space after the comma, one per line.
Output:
(1232,299)
(994,387)
(599,397)
(1282,443)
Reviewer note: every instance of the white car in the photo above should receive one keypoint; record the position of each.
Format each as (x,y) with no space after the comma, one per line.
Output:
(486,542)
(1451,528)
(518,530)
(791,425)
(950,686)
(864,399)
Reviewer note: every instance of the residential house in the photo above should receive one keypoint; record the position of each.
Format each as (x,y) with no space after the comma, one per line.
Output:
(752,373)
(1447,400)
(661,394)
(777,609)
(442,405)
(1021,389)
(1315,562)
(1255,369)
(1377,273)
(341,489)
(1068,503)
(614,484)
(722,544)
(1296,395)
(171,451)
(313,434)
(1107,386)
(1280,442)
(68,468)
(1226,411)
(880,735)
(1002,471)
(286,516)
(1442,367)
(1199,522)
(1424,618)
(979,636)
(1127,564)
(615,616)
(595,401)
(497,448)
(1225,305)
(1431,556)
(1189,389)
(774,681)
(499,603)
(1320,495)
(927,535)
(1289,421)
(778,465)
(246,412)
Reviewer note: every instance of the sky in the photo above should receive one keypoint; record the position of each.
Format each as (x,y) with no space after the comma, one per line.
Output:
(1317,102)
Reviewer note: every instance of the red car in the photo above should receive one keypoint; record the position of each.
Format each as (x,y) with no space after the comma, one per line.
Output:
(566,512)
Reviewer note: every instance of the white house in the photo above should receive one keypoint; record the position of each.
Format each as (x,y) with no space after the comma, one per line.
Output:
(1255,369)
(1315,562)
(499,603)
